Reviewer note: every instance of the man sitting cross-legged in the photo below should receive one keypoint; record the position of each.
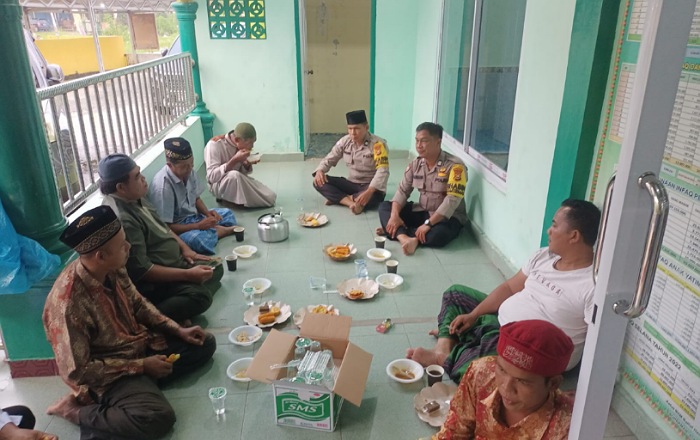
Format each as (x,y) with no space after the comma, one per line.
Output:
(555,285)
(160,264)
(175,193)
(112,346)
(515,395)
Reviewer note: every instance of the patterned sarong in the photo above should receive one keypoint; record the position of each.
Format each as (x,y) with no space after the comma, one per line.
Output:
(479,341)
(203,242)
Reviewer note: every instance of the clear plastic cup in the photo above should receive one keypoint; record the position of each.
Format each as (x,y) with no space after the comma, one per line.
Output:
(217,395)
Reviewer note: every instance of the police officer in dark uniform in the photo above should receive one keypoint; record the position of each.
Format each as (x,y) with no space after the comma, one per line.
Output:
(441,180)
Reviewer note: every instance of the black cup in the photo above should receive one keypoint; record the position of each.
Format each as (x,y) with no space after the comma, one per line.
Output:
(379,242)
(231,262)
(239,231)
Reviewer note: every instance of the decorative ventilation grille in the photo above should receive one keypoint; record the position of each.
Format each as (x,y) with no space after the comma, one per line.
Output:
(237,19)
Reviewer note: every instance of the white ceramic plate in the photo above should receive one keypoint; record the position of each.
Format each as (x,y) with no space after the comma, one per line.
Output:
(236,367)
(259,285)
(389,280)
(369,288)
(440,392)
(245,251)
(328,249)
(406,365)
(377,254)
(245,335)
(312,219)
(250,316)
(298,317)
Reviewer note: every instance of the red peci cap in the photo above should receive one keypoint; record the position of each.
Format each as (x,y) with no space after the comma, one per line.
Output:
(535,346)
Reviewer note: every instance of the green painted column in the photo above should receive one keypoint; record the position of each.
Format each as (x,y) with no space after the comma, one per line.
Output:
(27,188)
(590,50)
(186,12)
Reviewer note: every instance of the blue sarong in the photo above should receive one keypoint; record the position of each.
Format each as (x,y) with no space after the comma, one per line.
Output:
(203,242)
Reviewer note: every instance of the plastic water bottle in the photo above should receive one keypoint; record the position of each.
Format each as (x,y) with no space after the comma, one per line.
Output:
(361,269)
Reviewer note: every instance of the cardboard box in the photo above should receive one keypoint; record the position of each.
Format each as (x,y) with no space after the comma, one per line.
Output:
(310,406)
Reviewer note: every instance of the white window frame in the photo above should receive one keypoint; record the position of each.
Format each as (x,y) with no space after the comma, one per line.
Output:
(474,160)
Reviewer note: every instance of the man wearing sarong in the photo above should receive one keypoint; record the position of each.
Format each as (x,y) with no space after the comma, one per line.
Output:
(160,264)
(367,159)
(515,395)
(112,346)
(228,169)
(17,423)
(175,193)
(555,285)
(440,213)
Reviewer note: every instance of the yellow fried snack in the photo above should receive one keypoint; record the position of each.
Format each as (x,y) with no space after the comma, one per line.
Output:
(275,311)
(266,318)
(355,294)
(320,309)
(173,357)
(342,251)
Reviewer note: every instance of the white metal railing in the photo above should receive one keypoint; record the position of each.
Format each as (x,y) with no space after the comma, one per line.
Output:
(121,111)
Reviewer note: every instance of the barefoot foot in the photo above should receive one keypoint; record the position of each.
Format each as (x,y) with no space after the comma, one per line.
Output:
(424,356)
(66,407)
(409,245)
(380,231)
(433,332)
(328,203)
(356,208)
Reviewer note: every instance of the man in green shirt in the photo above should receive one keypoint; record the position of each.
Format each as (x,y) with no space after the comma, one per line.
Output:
(160,264)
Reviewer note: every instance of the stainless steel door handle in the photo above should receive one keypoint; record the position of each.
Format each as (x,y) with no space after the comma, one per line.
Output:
(602,227)
(652,247)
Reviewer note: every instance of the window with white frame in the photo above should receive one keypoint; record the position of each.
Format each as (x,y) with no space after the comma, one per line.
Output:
(479,63)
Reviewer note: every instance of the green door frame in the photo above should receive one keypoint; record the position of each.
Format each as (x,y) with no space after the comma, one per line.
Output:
(590,54)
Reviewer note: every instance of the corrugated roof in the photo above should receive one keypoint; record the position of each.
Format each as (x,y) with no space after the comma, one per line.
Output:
(99,5)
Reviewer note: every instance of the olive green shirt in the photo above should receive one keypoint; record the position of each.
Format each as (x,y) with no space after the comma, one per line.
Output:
(151,240)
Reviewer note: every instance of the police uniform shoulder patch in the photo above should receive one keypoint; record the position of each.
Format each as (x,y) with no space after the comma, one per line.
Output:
(457,182)
(381,156)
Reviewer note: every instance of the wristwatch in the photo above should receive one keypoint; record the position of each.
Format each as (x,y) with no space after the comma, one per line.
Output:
(427,223)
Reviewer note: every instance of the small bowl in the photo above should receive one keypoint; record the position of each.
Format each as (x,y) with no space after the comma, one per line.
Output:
(245,251)
(259,285)
(254,158)
(408,365)
(389,280)
(378,254)
(252,333)
(236,366)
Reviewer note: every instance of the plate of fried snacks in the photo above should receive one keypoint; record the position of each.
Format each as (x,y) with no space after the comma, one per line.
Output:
(238,369)
(340,252)
(404,370)
(358,288)
(321,309)
(245,335)
(312,219)
(267,314)
(433,403)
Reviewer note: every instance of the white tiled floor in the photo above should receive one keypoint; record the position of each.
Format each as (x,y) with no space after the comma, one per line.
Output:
(387,409)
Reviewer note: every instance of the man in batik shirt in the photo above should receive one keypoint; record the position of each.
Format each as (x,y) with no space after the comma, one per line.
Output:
(175,193)
(113,347)
(515,395)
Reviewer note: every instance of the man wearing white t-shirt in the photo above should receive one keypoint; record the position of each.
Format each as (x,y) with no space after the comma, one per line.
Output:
(555,285)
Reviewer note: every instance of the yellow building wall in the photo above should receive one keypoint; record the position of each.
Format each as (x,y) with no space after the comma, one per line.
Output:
(78,55)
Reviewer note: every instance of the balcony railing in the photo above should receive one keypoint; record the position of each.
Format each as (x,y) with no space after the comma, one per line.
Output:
(121,111)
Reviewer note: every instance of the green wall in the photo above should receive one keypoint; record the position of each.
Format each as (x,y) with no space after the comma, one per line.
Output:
(254,80)
(512,218)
